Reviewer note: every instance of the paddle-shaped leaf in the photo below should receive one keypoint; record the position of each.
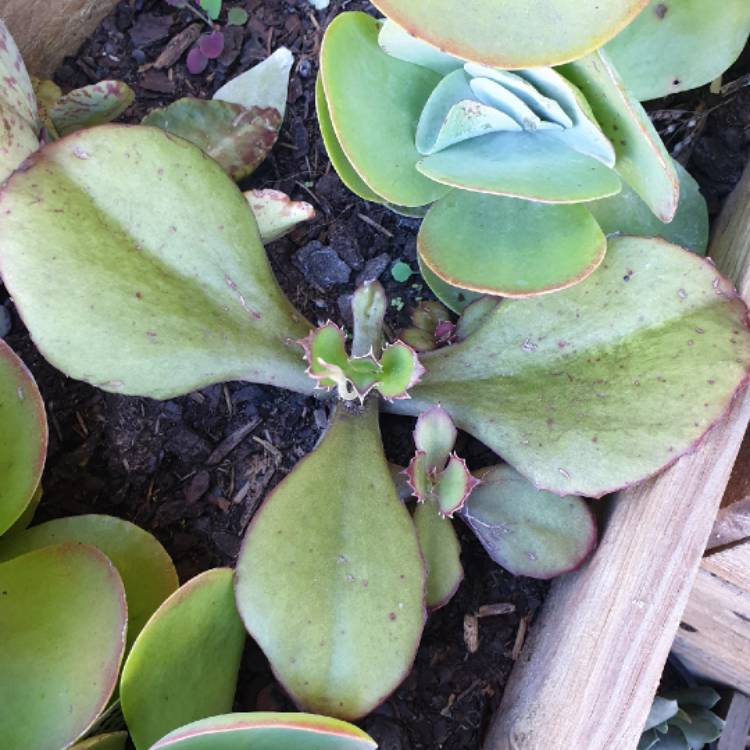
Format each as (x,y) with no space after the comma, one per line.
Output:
(674,46)
(626,213)
(91,105)
(452,297)
(18,125)
(23,437)
(146,570)
(63,620)
(184,664)
(238,138)
(601,385)
(258,731)
(514,33)
(110,741)
(509,247)
(528,531)
(330,580)
(374,103)
(191,299)
(276,213)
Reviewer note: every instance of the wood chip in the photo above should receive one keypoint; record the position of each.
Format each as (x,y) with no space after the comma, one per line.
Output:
(491,610)
(523,628)
(198,487)
(226,446)
(471,633)
(177,46)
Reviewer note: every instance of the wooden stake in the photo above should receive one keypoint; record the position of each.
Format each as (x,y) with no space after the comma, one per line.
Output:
(593,659)
(734,736)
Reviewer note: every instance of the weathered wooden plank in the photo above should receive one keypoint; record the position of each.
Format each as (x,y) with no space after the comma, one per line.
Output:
(734,736)
(48,30)
(589,671)
(714,638)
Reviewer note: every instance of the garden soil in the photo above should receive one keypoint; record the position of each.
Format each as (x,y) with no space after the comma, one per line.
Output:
(194,470)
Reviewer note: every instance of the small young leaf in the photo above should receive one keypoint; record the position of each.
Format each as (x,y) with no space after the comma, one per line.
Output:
(212,45)
(276,213)
(453,486)
(401,371)
(324,348)
(212,8)
(435,435)
(401,272)
(237,17)
(369,304)
(418,477)
(197,62)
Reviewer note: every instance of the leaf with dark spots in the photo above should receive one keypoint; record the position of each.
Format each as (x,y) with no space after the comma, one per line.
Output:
(91,105)
(238,138)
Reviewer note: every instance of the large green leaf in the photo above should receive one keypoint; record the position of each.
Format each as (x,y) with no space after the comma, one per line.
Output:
(267,731)
(451,296)
(603,384)
(626,213)
(509,247)
(23,437)
(91,105)
(528,531)
(677,45)
(63,620)
(19,125)
(528,165)
(374,103)
(237,137)
(184,664)
(146,570)
(110,741)
(513,33)
(642,159)
(330,579)
(137,266)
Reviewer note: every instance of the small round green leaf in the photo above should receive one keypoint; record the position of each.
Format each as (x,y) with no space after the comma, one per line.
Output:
(374,103)
(146,570)
(442,554)
(513,33)
(91,105)
(237,17)
(63,620)
(509,247)
(675,45)
(528,531)
(238,138)
(23,437)
(110,741)
(184,664)
(171,241)
(330,579)
(272,731)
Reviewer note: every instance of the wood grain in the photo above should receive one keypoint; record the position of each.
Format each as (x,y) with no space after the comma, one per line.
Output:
(734,736)
(591,666)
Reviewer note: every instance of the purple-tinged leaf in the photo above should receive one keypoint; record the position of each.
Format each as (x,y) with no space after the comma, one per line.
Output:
(418,478)
(212,45)
(197,62)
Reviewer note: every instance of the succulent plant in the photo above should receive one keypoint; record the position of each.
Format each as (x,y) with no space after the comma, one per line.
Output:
(506,165)
(682,720)
(584,391)
(674,46)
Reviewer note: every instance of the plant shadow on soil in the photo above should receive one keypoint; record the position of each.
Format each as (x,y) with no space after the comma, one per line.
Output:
(193,470)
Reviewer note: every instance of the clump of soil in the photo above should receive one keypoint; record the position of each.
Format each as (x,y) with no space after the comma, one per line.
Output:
(194,470)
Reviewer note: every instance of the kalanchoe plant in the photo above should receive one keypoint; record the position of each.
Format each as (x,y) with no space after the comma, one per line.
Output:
(169,290)
(506,166)
(431,327)
(682,720)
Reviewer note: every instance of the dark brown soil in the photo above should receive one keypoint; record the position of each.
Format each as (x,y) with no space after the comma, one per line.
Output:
(151,462)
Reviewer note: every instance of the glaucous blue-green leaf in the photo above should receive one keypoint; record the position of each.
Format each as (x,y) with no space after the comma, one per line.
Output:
(23,437)
(238,138)
(513,33)
(528,165)
(184,664)
(675,45)
(702,696)
(452,297)
(661,711)
(276,213)
(91,105)
(63,620)
(374,102)
(399,43)
(145,567)
(603,384)
(339,159)
(442,554)
(642,159)
(330,579)
(109,741)
(18,124)
(528,531)
(505,246)
(700,726)
(626,213)
(267,731)
(264,86)
(190,297)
